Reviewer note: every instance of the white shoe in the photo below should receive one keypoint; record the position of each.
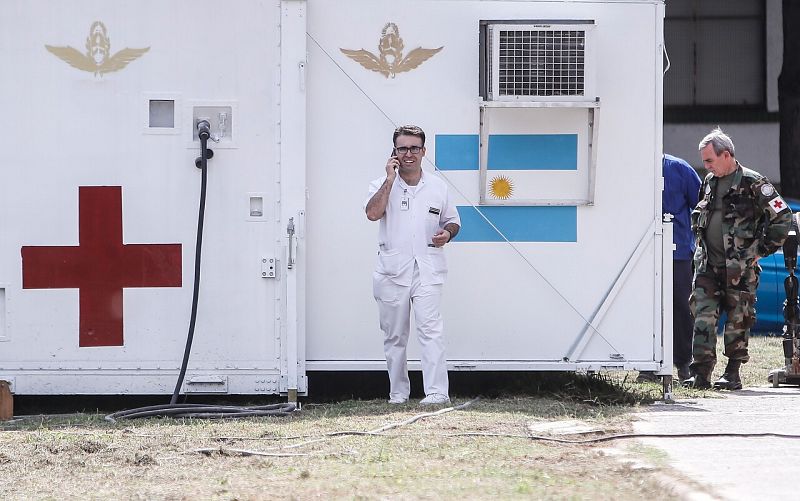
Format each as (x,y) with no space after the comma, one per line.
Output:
(435,399)
(397,400)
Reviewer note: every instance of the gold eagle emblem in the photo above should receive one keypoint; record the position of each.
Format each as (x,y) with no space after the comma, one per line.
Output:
(390,59)
(98,58)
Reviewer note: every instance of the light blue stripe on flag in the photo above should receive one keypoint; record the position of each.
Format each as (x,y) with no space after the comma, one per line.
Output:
(508,152)
(519,224)
(457,151)
(533,152)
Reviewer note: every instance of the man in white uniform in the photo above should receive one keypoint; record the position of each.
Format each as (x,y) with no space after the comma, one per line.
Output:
(417,218)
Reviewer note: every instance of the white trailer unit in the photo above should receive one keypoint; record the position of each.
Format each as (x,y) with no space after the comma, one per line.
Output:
(544,117)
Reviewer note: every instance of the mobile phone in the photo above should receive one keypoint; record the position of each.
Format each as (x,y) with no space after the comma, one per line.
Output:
(392,155)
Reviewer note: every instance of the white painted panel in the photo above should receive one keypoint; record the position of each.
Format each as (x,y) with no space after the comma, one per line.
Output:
(73,128)
(495,306)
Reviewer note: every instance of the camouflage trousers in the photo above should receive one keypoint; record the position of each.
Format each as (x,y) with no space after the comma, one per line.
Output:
(711,295)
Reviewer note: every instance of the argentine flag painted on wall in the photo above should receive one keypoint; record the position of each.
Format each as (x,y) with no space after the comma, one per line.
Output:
(536,172)
(523,171)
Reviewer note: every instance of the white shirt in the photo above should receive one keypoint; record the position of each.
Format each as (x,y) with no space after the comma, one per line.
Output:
(405,236)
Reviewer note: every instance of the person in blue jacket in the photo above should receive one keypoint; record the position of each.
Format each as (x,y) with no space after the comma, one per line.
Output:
(680,196)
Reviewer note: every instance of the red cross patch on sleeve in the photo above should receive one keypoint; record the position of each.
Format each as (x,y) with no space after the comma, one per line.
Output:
(777,205)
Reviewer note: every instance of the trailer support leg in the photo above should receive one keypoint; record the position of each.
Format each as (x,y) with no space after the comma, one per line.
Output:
(666,388)
(6,402)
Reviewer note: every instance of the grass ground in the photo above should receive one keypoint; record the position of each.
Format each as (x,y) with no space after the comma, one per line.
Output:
(477,453)
(483,451)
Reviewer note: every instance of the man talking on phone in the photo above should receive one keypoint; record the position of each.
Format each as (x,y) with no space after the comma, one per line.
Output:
(417,218)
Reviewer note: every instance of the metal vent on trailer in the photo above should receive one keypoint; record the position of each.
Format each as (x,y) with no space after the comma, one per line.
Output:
(539,61)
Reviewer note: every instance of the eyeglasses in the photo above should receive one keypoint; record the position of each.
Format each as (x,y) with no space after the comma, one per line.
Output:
(402,150)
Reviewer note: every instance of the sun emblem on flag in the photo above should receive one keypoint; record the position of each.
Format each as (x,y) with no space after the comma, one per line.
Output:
(501,187)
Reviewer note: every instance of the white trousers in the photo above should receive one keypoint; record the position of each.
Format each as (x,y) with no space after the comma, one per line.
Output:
(395,303)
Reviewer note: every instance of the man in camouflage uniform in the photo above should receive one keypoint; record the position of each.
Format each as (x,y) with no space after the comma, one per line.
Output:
(739,219)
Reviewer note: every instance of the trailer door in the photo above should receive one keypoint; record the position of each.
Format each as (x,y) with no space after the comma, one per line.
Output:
(99,199)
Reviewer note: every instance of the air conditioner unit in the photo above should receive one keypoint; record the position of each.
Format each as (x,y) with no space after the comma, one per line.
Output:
(540,62)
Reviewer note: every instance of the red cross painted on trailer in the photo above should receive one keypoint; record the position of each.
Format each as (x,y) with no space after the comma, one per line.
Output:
(101,266)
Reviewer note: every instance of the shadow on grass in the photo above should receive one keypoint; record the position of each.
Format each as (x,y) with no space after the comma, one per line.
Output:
(599,389)
(365,392)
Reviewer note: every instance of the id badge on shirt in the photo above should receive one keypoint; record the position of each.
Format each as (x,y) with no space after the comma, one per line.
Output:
(404,203)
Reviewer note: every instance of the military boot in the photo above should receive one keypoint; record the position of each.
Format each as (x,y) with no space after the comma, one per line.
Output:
(730,379)
(683,372)
(700,379)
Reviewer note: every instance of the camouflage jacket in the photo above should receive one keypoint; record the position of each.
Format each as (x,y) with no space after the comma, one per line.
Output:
(755,223)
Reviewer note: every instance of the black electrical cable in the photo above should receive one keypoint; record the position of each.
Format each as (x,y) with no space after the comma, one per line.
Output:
(200,411)
(203,135)
(203,411)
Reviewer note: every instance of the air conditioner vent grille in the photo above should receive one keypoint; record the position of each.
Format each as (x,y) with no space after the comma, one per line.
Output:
(541,62)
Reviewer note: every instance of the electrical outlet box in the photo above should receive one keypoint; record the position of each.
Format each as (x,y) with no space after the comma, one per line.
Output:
(220,118)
